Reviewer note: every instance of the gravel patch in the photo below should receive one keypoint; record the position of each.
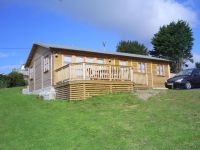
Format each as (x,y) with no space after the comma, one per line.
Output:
(146,94)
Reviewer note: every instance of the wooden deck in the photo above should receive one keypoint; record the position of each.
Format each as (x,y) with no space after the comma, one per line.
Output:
(77,81)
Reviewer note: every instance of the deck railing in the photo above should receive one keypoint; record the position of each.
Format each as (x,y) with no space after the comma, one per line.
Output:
(93,71)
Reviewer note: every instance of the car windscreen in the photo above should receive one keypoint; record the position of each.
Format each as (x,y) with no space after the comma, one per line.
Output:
(185,72)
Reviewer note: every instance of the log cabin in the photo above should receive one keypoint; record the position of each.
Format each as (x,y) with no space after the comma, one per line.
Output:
(61,72)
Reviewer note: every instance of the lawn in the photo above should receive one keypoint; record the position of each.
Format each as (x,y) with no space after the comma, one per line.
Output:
(169,120)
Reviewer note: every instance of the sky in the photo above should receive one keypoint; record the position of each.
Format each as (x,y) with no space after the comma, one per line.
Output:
(87,24)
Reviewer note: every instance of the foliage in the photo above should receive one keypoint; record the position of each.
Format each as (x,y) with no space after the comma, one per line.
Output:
(197,64)
(174,42)
(169,120)
(16,79)
(132,47)
(4,81)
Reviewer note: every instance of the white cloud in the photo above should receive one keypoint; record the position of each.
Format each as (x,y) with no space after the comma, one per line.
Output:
(5,55)
(138,19)
(196,58)
(8,68)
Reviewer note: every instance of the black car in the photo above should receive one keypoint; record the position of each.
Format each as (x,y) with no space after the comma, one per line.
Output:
(187,79)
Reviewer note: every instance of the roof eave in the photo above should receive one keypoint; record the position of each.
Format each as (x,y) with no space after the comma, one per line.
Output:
(112,54)
(31,54)
(35,45)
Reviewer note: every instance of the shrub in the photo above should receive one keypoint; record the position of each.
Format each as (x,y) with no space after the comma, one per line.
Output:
(16,79)
(4,81)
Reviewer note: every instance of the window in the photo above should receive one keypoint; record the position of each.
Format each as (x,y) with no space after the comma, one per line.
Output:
(100,60)
(67,60)
(46,64)
(141,67)
(123,63)
(31,73)
(89,59)
(197,73)
(160,69)
(79,59)
(186,72)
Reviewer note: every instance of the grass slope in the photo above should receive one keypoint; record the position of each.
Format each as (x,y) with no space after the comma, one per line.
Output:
(170,120)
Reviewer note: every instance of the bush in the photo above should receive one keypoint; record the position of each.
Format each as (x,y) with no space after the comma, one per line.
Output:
(4,81)
(16,79)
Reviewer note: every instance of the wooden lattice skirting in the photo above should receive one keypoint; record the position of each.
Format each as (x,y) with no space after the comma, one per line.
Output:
(80,90)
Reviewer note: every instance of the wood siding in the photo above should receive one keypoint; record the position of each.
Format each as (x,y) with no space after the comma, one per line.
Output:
(40,79)
(80,90)
(149,79)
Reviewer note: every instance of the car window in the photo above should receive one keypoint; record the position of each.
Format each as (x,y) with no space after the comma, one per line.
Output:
(185,72)
(197,72)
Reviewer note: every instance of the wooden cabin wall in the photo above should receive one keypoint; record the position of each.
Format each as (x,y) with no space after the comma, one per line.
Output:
(159,80)
(57,63)
(153,81)
(148,69)
(40,79)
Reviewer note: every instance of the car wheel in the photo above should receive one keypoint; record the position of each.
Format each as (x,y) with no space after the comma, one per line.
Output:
(188,85)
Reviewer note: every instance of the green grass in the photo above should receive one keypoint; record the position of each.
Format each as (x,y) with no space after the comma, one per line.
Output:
(168,121)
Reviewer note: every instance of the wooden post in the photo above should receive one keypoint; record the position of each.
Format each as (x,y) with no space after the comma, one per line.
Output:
(147,79)
(84,72)
(152,79)
(56,76)
(62,72)
(110,73)
(70,72)
(131,72)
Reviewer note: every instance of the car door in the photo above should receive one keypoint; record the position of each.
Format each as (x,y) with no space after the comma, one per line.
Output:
(196,78)
(198,82)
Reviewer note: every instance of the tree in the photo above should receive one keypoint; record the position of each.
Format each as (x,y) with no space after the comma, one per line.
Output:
(133,47)
(16,79)
(197,64)
(174,42)
(4,81)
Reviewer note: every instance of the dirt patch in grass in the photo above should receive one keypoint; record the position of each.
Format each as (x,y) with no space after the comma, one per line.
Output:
(146,94)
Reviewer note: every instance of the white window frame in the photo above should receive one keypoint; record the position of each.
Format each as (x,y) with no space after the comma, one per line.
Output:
(67,59)
(123,63)
(142,67)
(46,65)
(100,60)
(79,59)
(160,69)
(89,59)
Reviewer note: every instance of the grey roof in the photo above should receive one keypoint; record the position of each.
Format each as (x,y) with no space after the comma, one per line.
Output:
(98,51)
